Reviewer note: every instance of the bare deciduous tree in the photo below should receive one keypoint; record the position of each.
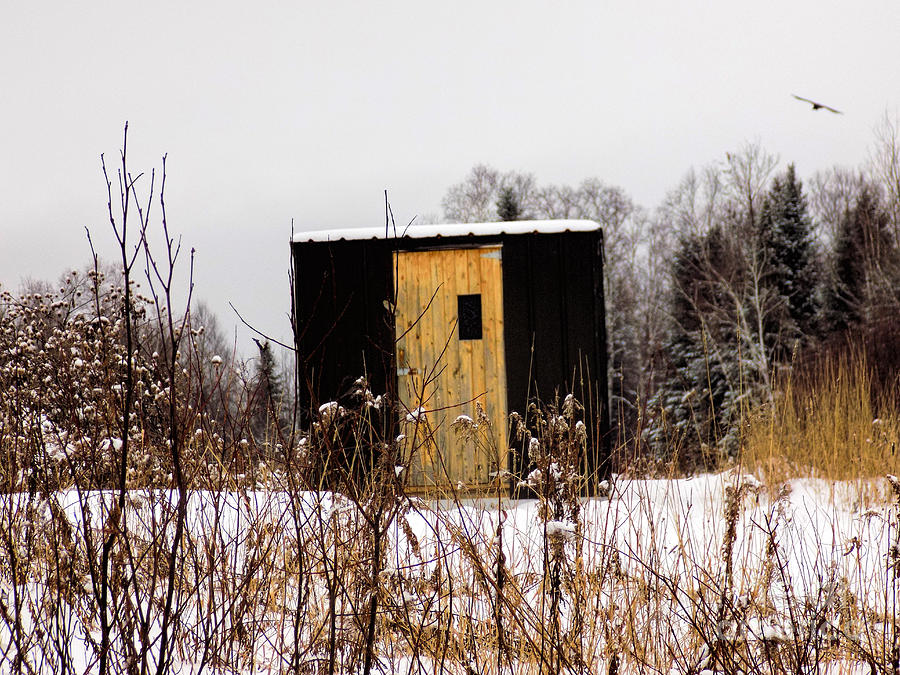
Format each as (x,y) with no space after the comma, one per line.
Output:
(833,192)
(885,167)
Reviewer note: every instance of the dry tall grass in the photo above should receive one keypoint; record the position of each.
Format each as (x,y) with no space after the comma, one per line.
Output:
(832,423)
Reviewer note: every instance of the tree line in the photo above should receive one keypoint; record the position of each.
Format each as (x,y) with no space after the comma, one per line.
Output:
(742,276)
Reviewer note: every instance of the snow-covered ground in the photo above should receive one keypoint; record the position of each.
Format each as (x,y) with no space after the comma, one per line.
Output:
(715,573)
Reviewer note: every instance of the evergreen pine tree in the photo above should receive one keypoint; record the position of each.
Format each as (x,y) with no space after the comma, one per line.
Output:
(701,389)
(844,295)
(269,392)
(508,205)
(787,246)
(862,245)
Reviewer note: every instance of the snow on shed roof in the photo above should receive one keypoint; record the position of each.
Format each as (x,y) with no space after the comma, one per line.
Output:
(451,230)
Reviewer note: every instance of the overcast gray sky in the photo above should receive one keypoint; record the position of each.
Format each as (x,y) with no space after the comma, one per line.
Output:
(309,110)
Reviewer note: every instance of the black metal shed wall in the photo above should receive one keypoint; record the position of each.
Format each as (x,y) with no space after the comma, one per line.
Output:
(554,319)
(344,327)
(555,325)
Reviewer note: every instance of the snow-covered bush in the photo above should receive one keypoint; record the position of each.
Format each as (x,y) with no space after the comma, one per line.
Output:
(64,373)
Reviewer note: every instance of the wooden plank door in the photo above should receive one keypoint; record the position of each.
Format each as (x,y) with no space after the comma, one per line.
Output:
(450,356)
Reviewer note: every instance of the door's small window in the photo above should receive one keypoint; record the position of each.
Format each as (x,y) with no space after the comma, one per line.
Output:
(469,313)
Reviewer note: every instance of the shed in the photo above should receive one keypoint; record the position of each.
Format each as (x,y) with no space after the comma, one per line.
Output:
(445,317)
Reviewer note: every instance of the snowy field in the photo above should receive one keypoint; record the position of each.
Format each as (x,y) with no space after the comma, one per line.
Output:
(717,573)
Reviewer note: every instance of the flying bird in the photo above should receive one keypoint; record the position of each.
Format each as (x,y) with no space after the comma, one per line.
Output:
(816,106)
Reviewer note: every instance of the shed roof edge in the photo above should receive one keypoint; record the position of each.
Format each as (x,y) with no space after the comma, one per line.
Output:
(450,230)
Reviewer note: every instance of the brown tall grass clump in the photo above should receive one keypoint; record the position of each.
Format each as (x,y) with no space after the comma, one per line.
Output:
(830,421)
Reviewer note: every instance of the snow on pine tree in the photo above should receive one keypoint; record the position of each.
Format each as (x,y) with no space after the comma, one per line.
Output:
(787,244)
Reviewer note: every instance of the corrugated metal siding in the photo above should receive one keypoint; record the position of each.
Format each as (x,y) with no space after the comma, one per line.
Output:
(344,327)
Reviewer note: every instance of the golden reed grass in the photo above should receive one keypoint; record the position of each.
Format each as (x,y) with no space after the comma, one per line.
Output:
(833,421)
